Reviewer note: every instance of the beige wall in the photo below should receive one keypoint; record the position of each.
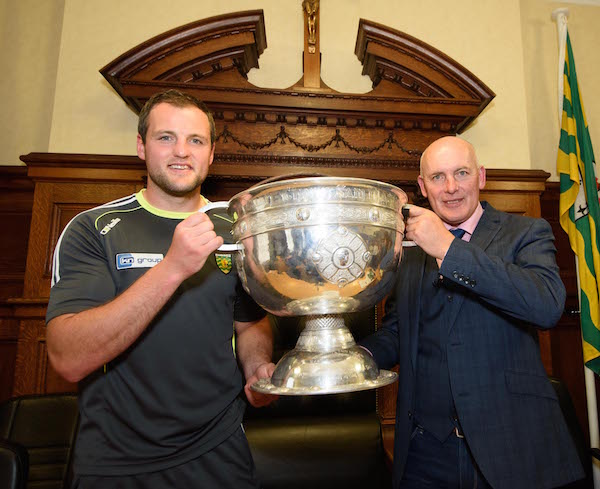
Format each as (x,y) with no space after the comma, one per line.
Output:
(510,45)
(541,74)
(29,35)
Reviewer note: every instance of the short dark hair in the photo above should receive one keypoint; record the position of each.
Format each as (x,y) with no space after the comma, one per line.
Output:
(177,99)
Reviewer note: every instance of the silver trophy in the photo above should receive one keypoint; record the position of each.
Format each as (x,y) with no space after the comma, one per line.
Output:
(318,247)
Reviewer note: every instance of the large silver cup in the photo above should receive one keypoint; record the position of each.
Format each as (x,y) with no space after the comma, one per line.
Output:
(319,247)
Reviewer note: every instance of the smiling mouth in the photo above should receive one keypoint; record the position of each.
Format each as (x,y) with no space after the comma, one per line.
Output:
(179,167)
(453,202)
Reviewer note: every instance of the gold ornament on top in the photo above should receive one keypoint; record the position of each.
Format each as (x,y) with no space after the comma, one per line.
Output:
(311,7)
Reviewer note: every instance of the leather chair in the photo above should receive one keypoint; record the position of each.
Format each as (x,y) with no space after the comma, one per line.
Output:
(318,441)
(45,427)
(14,464)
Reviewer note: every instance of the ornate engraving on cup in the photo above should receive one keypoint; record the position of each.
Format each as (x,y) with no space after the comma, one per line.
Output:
(318,202)
(341,257)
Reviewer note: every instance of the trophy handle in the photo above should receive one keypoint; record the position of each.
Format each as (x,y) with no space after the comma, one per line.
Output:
(222,205)
(405,212)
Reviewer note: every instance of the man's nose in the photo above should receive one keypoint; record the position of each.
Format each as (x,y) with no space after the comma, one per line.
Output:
(181,148)
(451,185)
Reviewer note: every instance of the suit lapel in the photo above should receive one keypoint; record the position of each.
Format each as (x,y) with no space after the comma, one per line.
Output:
(487,228)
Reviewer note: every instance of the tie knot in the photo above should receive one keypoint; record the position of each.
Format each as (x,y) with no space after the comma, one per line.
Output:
(459,233)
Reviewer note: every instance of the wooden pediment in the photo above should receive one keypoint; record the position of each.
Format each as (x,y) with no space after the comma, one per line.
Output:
(218,52)
(419,94)
(418,77)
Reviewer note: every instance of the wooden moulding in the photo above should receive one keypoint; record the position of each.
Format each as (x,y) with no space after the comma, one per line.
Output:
(418,95)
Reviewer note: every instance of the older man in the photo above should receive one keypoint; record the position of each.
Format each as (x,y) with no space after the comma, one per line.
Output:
(475,407)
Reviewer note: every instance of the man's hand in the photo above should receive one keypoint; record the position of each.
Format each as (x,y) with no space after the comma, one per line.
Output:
(427,230)
(257,399)
(194,240)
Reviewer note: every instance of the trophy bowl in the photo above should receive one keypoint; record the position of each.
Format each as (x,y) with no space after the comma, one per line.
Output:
(318,247)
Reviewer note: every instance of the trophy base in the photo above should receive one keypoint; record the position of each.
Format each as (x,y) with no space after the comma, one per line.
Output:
(326,360)
(265,386)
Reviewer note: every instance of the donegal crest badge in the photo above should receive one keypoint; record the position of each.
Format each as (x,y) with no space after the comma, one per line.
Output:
(224,262)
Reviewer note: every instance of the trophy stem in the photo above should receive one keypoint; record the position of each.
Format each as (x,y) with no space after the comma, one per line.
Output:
(325,333)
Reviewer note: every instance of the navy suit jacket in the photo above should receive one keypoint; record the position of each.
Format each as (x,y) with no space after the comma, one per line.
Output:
(509,285)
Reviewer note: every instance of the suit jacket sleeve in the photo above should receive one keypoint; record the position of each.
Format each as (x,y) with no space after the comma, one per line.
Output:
(510,266)
(383,344)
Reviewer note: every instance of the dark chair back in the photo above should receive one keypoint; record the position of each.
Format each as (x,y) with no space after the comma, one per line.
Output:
(45,425)
(13,466)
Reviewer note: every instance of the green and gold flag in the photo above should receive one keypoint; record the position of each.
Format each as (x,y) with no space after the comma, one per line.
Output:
(579,208)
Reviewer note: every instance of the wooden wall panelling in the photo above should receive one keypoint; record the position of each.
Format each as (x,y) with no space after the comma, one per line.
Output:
(9,333)
(64,186)
(16,202)
(33,373)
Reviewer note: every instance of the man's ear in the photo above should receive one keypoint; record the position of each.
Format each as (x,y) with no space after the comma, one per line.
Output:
(421,183)
(141,148)
(482,177)
(212,154)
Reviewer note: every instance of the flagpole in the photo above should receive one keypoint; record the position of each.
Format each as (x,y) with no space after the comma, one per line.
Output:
(592,403)
(560,16)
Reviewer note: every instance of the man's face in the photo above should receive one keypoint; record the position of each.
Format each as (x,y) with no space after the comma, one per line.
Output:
(451,180)
(177,151)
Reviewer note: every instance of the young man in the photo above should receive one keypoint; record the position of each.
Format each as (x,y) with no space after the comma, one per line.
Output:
(143,317)
(475,407)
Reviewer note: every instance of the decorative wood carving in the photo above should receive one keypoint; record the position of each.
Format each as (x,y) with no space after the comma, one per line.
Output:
(419,79)
(419,95)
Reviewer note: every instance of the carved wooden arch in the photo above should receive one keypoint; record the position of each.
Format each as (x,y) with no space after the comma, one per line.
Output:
(419,94)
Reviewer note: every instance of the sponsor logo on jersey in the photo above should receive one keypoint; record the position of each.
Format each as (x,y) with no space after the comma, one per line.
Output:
(138,260)
(224,262)
(110,225)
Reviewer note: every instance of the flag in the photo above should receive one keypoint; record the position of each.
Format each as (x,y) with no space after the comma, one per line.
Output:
(579,207)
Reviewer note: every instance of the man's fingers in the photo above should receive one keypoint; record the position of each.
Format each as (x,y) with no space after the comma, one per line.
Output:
(265,370)
(258,399)
(195,219)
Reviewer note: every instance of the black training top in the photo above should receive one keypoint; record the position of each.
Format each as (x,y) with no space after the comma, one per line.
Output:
(173,394)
